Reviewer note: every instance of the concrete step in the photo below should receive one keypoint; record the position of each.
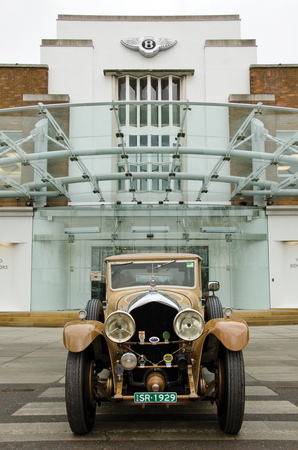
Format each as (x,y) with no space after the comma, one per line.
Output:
(60,318)
(268,317)
(37,319)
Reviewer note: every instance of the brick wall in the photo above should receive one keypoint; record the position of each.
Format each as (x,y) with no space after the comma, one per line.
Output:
(273,85)
(280,80)
(18,79)
(27,85)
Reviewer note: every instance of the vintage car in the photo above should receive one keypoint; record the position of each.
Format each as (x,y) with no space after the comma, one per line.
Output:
(157,341)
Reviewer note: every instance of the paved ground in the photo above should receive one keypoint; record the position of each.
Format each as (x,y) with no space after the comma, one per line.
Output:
(32,413)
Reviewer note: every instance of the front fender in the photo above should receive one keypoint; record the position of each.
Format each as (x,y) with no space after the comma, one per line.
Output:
(79,335)
(232,333)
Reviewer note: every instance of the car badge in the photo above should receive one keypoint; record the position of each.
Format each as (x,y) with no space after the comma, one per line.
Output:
(142,337)
(154,340)
(148,46)
(142,360)
(168,359)
(166,336)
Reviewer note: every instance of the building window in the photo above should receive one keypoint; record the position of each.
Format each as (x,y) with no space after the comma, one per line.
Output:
(149,125)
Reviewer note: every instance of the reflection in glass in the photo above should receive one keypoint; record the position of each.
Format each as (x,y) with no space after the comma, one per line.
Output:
(176,88)
(143,140)
(132,88)
(143,115)
(121,183)
(154,140)
(165,115)
(165,141)
(176,115)
(154,89)
(154,115)
(132,115)
(143,88)
(122,114)
(122,88)
(165,89)
(133,140)
(143,183)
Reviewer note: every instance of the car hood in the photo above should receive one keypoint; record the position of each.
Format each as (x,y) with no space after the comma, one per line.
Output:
(176,300)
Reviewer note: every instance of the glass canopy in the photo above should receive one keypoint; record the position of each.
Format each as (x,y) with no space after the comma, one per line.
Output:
(149,152)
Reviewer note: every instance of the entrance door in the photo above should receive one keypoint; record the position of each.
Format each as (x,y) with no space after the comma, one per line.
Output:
(290,298)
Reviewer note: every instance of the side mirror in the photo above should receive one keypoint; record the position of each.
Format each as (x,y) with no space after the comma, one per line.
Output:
(95,276)
(213,286)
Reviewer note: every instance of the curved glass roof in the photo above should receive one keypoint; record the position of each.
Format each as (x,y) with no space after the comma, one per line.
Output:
(149,152)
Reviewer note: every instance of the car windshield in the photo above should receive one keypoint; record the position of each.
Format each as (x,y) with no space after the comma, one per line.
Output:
(139,273)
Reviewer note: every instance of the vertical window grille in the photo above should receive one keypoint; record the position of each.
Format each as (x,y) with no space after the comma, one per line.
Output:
(149,119)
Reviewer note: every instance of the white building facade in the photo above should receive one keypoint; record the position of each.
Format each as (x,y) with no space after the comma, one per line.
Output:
(151,131)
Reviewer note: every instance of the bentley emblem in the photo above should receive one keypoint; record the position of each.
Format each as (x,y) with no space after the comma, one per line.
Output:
(148,46)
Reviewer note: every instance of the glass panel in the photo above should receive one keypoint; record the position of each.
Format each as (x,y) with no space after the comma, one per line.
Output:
(164,184)
(143,183)
(133,140)
(143,115)
(121,183)
(133,157)
(165,116)
(155,181)
(143,88)
(132,88)
(176,115)
(64,274)
(132,115)
(144,157)
(177,183)
(122,88)
(154,140)
(154,115)
(176,88)
(165,89)
(144,140)
(154,88)
(122,115)
(165,141)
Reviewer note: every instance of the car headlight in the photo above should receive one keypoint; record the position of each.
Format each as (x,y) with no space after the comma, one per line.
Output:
(189,324)
(119,327)
(129,361)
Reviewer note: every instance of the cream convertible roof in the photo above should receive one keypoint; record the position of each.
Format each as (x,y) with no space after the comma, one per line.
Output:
(262,139)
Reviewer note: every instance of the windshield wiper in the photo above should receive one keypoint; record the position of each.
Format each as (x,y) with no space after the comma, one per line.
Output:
(123,264)
(164,264)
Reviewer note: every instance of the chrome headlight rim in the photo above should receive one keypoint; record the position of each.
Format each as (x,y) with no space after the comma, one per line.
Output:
(130,333)
(185,312)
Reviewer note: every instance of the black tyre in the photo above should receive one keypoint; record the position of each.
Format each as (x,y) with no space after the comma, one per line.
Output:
(231,395)
(79,392)
(94,310)
(213,308)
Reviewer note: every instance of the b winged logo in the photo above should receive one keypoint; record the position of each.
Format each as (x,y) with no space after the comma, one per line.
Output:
(148,45)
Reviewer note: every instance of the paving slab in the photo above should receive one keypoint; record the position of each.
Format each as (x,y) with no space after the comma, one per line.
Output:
(140,431)
(259,391)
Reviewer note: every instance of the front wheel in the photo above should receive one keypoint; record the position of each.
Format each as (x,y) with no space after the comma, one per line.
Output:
(94,310)
(231,391)
(79,392)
